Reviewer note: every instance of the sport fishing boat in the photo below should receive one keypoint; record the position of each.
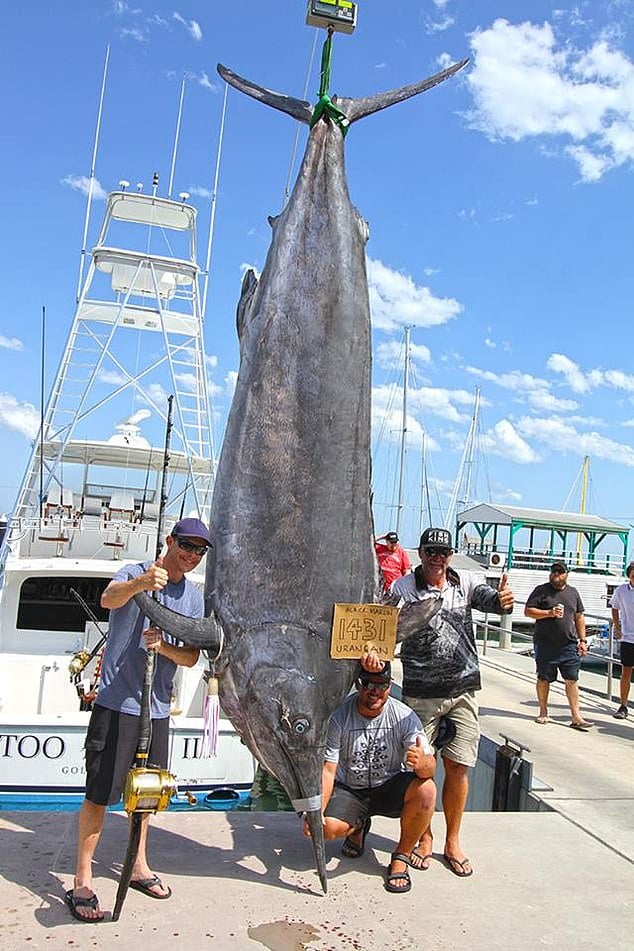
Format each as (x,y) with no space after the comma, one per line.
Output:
(90,496)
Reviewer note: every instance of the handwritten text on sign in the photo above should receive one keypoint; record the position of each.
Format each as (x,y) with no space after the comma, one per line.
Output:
(358,627)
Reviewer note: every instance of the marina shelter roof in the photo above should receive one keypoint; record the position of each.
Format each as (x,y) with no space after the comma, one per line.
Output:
(538,518)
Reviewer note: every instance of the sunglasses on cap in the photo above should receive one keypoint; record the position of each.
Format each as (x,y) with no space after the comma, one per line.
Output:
(440,550)
(190,547)
(366,684)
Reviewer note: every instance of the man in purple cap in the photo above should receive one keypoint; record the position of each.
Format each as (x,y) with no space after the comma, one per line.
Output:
(113,730)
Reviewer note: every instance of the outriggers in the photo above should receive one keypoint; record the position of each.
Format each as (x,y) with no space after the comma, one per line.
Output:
(89,498)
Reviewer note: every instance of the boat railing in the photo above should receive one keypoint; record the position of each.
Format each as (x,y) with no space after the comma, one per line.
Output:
(600,634)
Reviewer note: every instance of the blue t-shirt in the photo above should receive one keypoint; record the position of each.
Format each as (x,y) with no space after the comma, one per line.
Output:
(123,666)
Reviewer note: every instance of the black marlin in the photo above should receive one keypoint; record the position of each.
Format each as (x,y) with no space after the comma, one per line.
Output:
(291,515)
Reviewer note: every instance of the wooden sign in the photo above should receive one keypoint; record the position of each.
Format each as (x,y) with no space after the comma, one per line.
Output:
(357,628)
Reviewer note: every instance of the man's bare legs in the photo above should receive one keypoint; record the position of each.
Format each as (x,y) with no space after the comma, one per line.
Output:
(572,693)
(416,816)
(141,870)
(454,799)
(90,824)
(543,688)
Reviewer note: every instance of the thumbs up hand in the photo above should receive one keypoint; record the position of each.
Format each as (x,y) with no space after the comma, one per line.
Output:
(505,595)
(156,576)
(420,759)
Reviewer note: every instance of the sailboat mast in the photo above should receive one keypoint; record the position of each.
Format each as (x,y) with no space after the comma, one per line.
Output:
(466,465)
(582,506)
(401,471)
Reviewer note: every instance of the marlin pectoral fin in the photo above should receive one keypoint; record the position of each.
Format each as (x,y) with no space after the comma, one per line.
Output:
(195,632)
(415,616)
(358,108)
(297,108)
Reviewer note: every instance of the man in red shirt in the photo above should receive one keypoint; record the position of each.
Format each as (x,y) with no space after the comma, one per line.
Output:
(393,560)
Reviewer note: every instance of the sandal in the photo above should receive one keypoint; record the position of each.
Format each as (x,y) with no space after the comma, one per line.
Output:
(354,850)
(457,867)
(419,861)
(75,902)
(393,877)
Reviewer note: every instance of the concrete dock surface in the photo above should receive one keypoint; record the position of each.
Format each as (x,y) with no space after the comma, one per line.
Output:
(245,880)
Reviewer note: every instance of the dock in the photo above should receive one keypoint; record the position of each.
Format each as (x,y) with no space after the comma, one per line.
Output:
(561,879)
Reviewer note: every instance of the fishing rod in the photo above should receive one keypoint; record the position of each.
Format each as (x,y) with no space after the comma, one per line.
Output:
(147,789)
(82,658)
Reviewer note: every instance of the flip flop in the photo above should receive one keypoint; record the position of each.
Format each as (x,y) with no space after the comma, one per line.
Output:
(415,854)
(76,901)
(584,726)
(145,886)
(354,850)
(392,877)
(454,864)
(541,720)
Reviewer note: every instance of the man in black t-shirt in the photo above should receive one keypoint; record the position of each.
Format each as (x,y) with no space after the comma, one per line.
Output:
(559,639)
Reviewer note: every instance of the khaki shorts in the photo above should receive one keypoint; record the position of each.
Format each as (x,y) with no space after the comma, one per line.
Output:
(462,711)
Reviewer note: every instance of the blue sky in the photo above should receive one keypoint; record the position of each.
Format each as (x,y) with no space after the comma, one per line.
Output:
(498,206)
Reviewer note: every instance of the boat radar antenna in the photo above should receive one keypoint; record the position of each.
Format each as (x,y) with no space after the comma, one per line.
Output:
(155,184)
(123,184)
(91,180)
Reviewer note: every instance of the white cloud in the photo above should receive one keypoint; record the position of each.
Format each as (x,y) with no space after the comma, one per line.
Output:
(119,8)
(534,389)
(21,417)
(504,440)
(203,80)
(199,191)
(391,354)
(192,26)
(81,183)
(582,382)
(526,83)
(211,360)
(11,343)
(112,377)
(396,301)
(560,436)
(134,33)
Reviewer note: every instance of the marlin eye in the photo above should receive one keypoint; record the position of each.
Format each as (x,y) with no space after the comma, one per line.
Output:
(301,726)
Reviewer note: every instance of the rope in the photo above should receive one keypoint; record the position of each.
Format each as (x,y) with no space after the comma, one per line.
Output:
(325,104)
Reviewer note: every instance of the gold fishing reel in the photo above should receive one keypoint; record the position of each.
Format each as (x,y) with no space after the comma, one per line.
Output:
(148,790)
(78,662)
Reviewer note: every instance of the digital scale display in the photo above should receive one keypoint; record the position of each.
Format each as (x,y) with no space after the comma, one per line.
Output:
(341,15)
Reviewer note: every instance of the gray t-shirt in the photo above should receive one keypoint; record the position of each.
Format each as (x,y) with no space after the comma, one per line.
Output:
(369,751)
(123,665)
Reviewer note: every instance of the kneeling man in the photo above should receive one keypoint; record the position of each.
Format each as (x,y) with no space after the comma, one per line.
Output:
(378,761)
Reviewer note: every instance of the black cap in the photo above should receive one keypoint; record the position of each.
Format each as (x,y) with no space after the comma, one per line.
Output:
(391,537)
(559,568)
(435,538)
(383,676)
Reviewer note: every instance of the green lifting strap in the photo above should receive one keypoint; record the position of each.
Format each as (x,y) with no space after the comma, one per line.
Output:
(325,103)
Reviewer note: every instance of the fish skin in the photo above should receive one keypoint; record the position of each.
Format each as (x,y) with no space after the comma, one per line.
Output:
(291,516)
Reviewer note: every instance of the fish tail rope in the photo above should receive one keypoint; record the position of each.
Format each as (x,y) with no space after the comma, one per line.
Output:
(325,104)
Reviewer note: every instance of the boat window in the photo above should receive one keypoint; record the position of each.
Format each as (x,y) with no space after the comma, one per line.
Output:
(46,604)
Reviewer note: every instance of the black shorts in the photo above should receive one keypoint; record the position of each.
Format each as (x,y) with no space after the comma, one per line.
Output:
(549,660)
(355,805)
(626,653)
(111,744)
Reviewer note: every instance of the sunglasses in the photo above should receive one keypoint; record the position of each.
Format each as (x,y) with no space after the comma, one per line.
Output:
(366,684)
(190,547)
(432,552)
